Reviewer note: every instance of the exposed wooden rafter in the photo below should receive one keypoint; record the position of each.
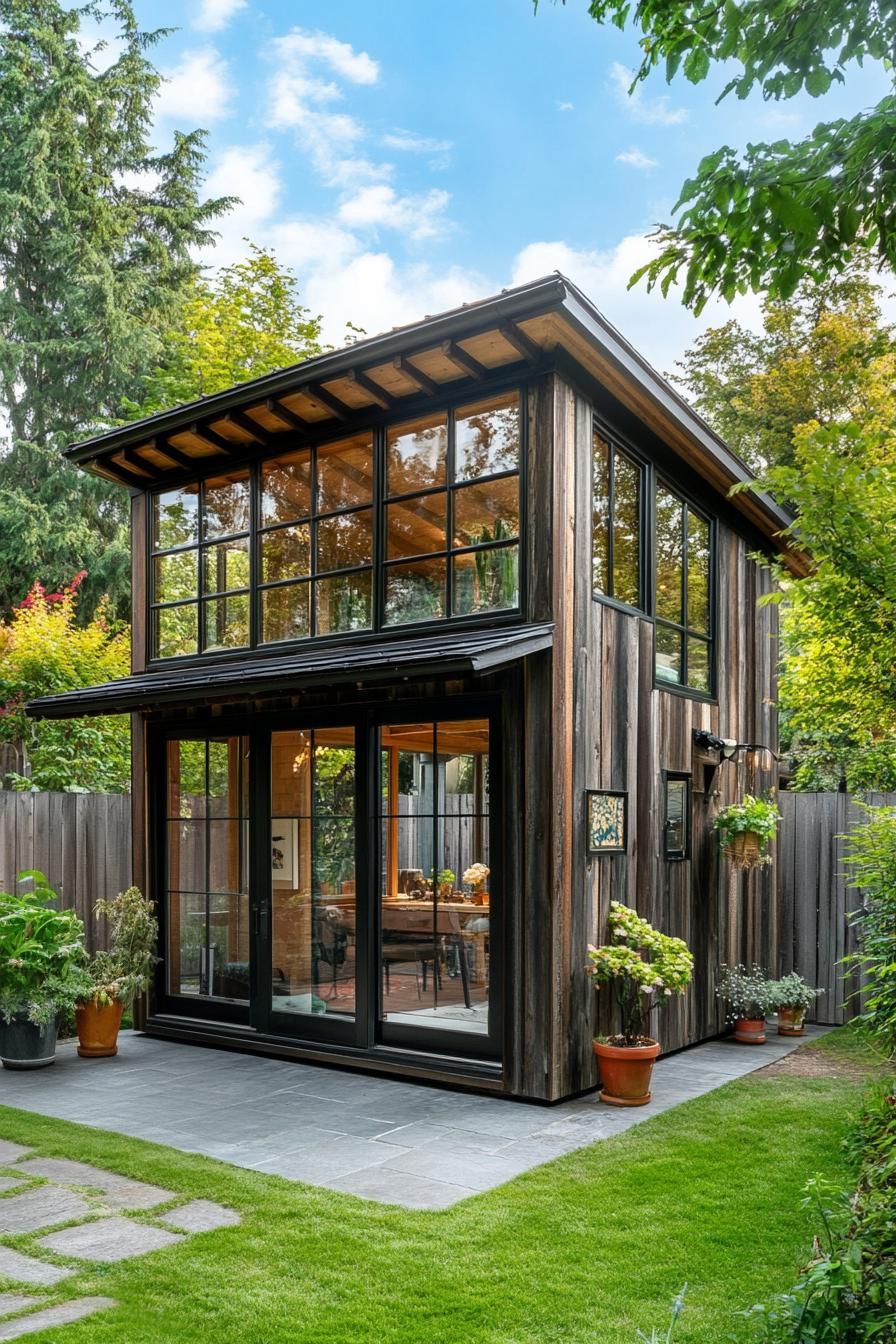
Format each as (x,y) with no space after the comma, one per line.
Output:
(133,459)
(179,458)
(423,380)
(285,415)
(379,394)
(451,350)
(338,408)
(524,346)
(213,438)
(123,474)
(248,426)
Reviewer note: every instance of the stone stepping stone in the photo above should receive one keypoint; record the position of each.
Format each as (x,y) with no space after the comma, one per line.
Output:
(10,1302)
(62,1314)
(25,1269)
(44,1206)
(9,1183)
(201,1215)
(11,1152)
(120,1191)
(109,1240)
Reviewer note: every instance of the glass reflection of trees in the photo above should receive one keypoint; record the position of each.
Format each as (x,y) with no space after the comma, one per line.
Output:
(616,512)
(683,549)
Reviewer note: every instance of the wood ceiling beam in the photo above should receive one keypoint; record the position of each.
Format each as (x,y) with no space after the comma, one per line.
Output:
(451,350)
(339,408)
(286,416)
(248,426)
(423,380)
(132,459)
(214,439)
(531,352)
(125,476)
(179,458)
(379,394)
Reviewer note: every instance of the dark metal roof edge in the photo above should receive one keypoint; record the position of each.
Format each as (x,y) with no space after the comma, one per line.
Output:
(521,302)
(593,324)
(491,649)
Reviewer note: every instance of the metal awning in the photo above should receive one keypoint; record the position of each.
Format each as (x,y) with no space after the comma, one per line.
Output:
(439,653)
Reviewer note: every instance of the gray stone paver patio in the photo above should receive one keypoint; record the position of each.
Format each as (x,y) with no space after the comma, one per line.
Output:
(380,1138)
(109,1240)
(62,1313)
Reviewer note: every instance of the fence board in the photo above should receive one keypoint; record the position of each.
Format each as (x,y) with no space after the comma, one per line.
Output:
(82,842)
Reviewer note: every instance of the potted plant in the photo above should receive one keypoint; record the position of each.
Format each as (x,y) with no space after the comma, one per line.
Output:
(476,877)
(119,975)
(747,994)
(42,959)
(644,969)
(792,996)
(746,830)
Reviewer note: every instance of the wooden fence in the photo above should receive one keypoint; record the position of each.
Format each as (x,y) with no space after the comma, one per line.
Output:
(816,899)
(81,841)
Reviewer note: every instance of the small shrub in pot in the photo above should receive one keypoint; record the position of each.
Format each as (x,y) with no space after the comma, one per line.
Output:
(119,975)
(747,994)
(792,997)
(43,965)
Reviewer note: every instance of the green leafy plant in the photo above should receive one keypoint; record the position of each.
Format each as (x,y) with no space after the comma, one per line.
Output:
(643,967)
(42,955)
(756,816)
(655,1337)
(124,971)
(747,993)
(792,991)
(871,860)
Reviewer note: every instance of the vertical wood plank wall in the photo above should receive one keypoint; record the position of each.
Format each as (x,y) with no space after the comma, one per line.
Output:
(80,841)
(612,730)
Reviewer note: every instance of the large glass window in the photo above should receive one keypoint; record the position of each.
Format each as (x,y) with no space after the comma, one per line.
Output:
(442,513)
(683,552)
(616,504)
(316,541)
(200,567)
(453,513)
(208,903)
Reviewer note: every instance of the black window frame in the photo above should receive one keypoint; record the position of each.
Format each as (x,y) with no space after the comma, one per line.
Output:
(685,632)
(678,777)
(615,444)
(379,427)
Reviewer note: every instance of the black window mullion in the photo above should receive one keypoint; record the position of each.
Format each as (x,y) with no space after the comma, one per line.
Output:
(684,593)
(207,876)
(435,862)
(312,559)
(254,555)
(450,462)
(611,515)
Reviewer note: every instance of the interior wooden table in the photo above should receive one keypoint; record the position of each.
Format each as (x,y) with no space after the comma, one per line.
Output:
(451,918)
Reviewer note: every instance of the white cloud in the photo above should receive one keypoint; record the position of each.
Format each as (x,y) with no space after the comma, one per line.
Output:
(198,89)
(411,143)
(660,329)
(301,100)
(253,174)
(214,15)
(635,158)
(565,107)
(379,206)
(648,111)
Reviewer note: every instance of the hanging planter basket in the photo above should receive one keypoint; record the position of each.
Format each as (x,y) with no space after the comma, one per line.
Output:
(745,850)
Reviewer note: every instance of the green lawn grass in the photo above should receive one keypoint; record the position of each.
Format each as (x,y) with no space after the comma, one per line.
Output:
(587,1248)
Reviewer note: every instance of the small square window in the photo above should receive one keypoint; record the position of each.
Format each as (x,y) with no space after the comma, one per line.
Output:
(677,816)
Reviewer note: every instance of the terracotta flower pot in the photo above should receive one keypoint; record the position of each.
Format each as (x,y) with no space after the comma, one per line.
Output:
(98,1028)
(625,1072)
(750,1030)
(791,1021)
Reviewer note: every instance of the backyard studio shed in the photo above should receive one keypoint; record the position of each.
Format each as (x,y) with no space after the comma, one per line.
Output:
(463,594)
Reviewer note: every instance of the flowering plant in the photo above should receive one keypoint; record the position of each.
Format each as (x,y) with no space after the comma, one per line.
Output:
(754,816)
(644,967)
(748,994)
(476,874)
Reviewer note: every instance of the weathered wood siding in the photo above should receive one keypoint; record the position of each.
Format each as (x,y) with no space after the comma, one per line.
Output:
(611,729)
(80,841)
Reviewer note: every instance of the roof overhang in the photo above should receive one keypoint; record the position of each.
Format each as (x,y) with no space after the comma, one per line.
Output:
(512,333)
(437,654)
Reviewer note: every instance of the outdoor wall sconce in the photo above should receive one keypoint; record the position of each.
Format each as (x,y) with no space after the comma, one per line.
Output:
(729,750)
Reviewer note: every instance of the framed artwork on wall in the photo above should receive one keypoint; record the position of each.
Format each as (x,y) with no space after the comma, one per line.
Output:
(285,852)
(606,821)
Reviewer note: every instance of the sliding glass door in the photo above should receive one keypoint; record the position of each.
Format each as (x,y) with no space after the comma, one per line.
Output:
(337,881)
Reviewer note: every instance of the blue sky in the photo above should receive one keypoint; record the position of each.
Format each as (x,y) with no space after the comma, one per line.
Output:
(405,156)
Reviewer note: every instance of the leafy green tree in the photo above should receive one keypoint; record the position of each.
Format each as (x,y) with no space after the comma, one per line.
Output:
(43,650)
(96,235)
(244,321)
(813,361)
(765,219)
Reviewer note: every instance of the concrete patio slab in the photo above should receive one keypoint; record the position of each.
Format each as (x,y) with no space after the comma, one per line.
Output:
(379,1138)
